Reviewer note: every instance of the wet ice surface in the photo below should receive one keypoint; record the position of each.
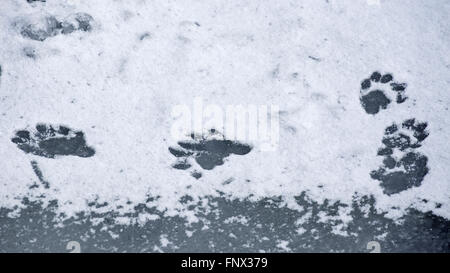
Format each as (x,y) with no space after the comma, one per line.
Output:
(229,226)
(86,93)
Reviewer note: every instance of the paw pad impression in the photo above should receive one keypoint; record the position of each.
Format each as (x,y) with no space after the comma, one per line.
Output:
(403,166)
(52,141)
(208,151)
(378,91)
(49,26)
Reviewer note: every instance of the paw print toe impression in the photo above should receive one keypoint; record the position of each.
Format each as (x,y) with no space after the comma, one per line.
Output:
(378,91)
(207,151)
(52,141)
(403,166)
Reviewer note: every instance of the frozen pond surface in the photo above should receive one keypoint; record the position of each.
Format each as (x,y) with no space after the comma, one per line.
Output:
(231,226)
(88,92)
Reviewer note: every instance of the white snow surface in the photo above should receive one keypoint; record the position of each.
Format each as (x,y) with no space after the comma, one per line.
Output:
(120,91)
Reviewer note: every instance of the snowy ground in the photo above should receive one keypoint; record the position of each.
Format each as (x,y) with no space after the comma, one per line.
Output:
(86,94)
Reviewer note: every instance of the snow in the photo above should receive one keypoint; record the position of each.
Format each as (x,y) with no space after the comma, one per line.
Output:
(120,82)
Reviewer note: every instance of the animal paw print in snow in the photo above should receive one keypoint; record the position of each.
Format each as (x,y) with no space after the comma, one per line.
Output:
(378,91)
(208,151)
(49,26)
(49,141)
(403,166)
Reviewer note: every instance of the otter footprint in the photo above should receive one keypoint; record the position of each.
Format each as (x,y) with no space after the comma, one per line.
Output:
(378,91)
(403,166)
(49,26)
(208,151)
(51,141)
